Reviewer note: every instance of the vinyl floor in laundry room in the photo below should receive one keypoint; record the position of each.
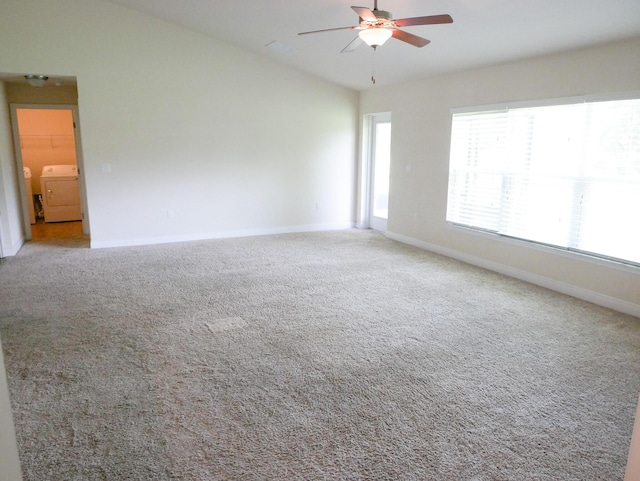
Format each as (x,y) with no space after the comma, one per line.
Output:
(59,233)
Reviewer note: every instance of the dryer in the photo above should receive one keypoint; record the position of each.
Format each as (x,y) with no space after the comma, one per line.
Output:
(60,193)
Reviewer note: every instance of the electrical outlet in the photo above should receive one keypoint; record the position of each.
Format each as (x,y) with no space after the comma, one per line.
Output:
(171,214)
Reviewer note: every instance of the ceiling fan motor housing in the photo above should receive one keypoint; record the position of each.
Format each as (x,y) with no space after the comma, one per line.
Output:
(384,18)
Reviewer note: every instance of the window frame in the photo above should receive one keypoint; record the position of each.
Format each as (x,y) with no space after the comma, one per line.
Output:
(565,251)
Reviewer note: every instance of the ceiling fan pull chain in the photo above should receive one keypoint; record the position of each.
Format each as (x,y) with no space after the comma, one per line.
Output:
(373,67)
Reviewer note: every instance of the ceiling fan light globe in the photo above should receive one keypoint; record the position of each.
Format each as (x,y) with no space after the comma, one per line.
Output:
(376,36)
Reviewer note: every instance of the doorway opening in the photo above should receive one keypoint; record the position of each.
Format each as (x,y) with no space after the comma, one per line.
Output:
(378,161)
(48,153)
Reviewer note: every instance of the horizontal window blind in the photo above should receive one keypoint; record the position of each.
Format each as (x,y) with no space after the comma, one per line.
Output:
(563,175)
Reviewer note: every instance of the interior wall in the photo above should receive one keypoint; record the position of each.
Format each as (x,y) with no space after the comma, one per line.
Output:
(11,233)
(421,113)
(184,136)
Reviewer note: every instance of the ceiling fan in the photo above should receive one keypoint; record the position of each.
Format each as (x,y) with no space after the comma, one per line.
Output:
(377,26)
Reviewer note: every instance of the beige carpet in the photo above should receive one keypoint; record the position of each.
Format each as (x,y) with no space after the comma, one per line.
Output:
(321,356)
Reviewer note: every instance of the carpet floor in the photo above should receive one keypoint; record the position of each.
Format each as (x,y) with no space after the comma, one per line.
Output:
(320,356)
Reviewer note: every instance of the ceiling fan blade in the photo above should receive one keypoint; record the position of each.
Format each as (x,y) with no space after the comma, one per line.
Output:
(329,30)
(355,43)
(428,20)
(365,14)
(410,38)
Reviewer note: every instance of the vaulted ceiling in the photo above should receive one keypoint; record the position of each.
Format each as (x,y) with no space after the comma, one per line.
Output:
(483,33)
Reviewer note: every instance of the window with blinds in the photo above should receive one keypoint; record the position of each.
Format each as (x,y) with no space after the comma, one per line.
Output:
(562,175)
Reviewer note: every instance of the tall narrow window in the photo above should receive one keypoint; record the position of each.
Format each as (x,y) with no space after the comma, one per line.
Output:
(562,175)
(380,165)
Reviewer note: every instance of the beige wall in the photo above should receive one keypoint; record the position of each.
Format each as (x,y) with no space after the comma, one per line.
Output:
(185,137)
(421,113)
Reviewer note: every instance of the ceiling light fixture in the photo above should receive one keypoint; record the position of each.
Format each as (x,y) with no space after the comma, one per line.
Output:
(375,36)
(36,80)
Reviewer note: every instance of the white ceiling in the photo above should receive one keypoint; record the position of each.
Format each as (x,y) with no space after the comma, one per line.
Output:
(484,32)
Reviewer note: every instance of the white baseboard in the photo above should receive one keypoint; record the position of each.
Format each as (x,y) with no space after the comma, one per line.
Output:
(571,290)
(95,244)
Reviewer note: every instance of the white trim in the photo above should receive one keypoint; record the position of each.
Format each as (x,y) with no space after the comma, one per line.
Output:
(378,223)
(612,96)
(366,220)
(95,244)
(17,148)
(479,108)
(375,223)
(14,249)
(574,291)
(364,174)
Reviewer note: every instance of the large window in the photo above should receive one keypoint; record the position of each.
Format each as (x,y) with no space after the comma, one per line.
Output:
(563,175)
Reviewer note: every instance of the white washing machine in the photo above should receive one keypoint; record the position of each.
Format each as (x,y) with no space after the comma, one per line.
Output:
(60,193)
(27,187)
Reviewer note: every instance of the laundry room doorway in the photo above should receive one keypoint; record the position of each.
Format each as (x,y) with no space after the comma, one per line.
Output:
(48,154)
